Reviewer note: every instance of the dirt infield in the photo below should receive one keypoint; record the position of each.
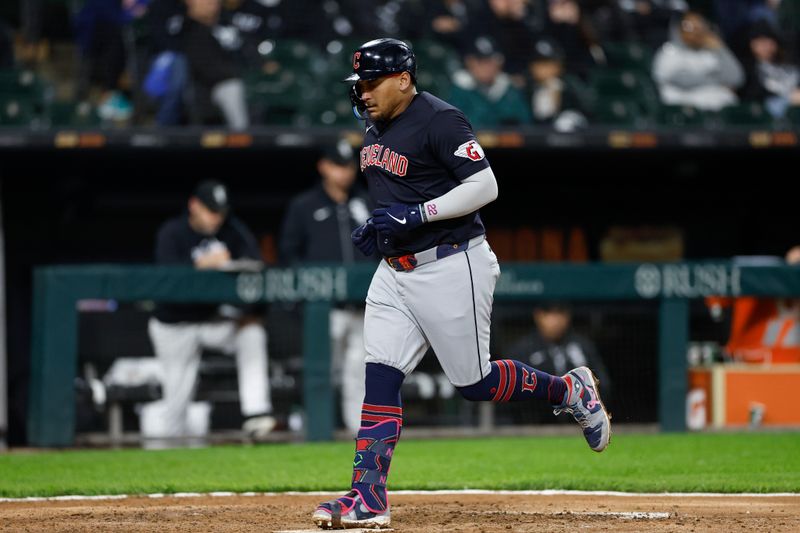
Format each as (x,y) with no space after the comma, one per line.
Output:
(414,513)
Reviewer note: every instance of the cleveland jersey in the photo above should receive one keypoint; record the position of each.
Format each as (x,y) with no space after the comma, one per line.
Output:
(420,155)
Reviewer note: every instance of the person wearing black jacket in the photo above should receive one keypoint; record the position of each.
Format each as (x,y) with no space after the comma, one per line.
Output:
(316,228)
(209,238)
(199,53)
(553,346)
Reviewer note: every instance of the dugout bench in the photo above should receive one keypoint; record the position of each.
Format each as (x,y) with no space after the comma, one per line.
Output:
(57,289)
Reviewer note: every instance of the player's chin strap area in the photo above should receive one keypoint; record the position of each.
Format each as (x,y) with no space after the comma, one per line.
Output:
(359,107)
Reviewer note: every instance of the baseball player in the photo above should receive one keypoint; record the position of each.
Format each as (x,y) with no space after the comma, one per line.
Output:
(208,237)
(428,177)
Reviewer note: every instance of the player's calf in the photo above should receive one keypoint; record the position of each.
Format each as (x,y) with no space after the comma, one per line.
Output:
(366,505)
(514,381)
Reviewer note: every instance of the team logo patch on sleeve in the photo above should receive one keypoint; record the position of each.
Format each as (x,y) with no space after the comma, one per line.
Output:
(470,150)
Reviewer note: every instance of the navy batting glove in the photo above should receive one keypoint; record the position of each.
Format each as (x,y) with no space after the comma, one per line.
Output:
(364,238)
(397,219)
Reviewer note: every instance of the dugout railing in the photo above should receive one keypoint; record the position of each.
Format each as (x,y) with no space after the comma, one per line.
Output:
(57,290)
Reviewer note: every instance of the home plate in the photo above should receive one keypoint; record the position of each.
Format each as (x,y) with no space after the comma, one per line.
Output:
(636,515)
(317,530)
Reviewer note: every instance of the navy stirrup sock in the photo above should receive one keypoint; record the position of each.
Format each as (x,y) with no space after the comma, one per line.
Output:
(514,381)
(381,421)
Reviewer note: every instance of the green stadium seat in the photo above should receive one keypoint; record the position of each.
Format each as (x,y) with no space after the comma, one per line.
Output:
(616,112)
(16,110)
(678,115)
(628,55)
(292,54)
(21,82)
(332,112)
(746,114)
(434,56)
(73,114)
(586,95)
(628,84)
(793,116)
(434,82)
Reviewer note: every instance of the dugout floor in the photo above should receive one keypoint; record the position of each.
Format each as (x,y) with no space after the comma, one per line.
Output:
(414,513)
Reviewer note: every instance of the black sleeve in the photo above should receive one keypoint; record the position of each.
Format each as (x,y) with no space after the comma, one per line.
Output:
(293,239)
(246,244)
(453,142)
(168,247)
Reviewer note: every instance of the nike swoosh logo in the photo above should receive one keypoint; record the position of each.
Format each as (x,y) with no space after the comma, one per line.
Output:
(398,220)
(367,130)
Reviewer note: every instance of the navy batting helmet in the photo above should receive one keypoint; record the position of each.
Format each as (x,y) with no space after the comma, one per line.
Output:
(375,59)
(382,57)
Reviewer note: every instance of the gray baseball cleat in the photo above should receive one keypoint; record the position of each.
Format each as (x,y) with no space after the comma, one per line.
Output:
(348,512)
(582,401)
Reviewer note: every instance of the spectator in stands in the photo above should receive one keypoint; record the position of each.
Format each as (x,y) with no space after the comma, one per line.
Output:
(644,21)
(316,228)
(209,237)
(99,29)
(554,346)
(735,18)
(202,60)
(568,25)
(695,68)
(553,100)
(789,24)
(373,18)
(484,92)
(770,78)
(763,330)
(446,21)
(510,23)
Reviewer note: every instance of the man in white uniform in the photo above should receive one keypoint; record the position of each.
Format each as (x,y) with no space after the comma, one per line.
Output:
(208,237)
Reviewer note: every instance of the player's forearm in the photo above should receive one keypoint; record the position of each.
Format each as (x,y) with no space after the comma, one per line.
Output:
(472,194)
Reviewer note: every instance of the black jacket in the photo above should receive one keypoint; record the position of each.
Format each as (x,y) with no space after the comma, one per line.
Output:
(317,229)
(177,243)
(557,358)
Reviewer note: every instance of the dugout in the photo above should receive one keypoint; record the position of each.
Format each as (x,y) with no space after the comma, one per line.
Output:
(101,202)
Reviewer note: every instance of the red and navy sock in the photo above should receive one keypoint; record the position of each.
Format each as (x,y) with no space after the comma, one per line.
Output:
(381,421)
(514,381)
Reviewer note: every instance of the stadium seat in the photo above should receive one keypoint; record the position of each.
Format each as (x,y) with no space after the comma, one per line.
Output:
(746,114)
(434,56)
(331,112)
(72,114)
(616,112)
(434,82)
(21,82)
(626,84)
(678,115)
(16,110)
(628,55)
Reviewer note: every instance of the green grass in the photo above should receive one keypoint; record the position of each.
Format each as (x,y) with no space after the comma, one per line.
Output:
(743,462)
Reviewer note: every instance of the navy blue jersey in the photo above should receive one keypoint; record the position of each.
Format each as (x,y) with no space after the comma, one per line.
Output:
(420,155)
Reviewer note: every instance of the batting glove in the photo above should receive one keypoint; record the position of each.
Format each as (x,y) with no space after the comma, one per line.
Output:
(364,238)
(397,219)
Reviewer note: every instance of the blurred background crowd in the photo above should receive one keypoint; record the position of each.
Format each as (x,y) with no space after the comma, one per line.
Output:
(240,63)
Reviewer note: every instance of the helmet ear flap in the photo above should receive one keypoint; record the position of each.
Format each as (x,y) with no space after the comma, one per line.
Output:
(359,107)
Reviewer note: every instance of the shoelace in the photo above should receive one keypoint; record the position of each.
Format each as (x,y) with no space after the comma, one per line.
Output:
(581,418)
